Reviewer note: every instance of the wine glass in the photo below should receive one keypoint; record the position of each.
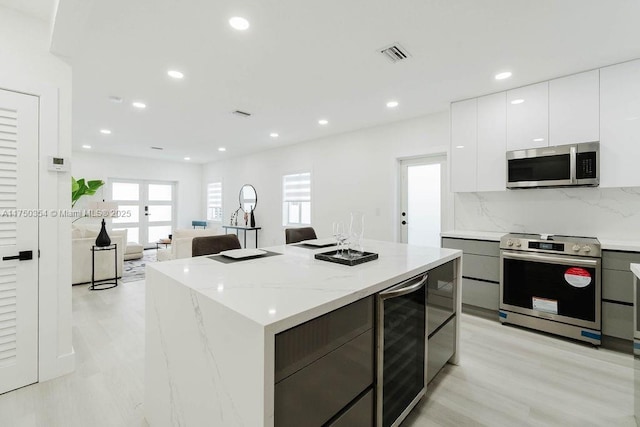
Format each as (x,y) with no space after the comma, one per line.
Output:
(356,231)
(340,234)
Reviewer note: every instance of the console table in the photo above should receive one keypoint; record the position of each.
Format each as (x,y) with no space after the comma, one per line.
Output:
(244,229)
(104,283)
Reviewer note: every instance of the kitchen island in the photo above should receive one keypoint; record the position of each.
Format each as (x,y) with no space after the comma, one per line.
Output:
(211,326)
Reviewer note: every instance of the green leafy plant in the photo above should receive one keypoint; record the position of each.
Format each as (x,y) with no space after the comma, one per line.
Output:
(81,188)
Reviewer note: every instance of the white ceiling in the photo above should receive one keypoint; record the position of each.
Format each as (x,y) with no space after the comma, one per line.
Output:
(301,61)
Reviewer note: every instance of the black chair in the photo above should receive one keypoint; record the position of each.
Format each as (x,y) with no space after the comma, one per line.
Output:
(211,245)
(295,235)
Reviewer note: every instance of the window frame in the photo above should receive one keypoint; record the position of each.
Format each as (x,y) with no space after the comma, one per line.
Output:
(207,202)
(287,204)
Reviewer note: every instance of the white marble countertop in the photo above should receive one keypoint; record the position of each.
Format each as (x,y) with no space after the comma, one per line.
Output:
(635,268)
(282,291)
(476,235)
(620,245)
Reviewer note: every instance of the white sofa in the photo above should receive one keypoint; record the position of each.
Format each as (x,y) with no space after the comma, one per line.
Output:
(82,238)
(181,242)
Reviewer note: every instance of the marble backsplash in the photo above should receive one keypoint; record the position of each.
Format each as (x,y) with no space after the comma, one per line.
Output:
(612,213)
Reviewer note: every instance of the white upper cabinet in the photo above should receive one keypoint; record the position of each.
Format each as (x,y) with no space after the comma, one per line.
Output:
(620,125)
(492,142)
(463,145)
(574,114)
(528,117)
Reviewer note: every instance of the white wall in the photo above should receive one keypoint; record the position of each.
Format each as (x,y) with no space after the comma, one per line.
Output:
(188,176)
(352,171)
(27,66)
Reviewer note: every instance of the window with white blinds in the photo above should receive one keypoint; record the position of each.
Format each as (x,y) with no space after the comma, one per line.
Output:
(296,199)
(214,201)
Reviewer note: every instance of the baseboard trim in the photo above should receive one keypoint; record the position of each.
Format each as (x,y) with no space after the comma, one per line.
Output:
(480,312)
(63,365)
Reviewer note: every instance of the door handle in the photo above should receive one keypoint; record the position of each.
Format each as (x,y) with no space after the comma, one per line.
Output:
(22,256)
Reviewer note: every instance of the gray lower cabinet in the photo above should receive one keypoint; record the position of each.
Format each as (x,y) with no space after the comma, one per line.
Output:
(480,271)
(323,366)
(440,348)
(481,293)
(617,293)
(440,317)
(358,414)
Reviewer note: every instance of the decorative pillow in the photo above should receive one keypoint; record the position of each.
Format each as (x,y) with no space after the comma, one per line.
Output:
(122,233)
(77,233)
(90,233)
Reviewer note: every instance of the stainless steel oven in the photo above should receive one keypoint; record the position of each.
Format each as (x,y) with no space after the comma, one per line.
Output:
(552,284)
(401,350)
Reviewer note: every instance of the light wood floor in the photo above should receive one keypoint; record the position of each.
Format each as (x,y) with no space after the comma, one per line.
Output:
(507,376)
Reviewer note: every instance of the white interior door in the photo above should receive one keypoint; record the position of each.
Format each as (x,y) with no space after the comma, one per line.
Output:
(148,207)
(18,236)
(422,205)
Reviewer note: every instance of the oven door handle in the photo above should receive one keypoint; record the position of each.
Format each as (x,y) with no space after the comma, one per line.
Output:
(552,259)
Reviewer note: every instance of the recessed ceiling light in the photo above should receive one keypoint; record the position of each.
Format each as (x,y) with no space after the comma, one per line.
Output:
(239,23)
(222,149)
(392,104)
(86,146)
(517,101)
(175,74)
(187,158)
(503,75)
(140,105)
(538,140)
(274,135)
(459,146)
(323,122)
(105,131)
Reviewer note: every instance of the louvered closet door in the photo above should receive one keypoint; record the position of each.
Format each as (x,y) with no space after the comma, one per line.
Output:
(18,232)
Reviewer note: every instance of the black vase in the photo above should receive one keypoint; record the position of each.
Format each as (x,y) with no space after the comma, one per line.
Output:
(103,238)
(253,219)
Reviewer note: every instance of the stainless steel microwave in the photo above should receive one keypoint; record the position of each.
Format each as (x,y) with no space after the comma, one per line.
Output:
(559,166)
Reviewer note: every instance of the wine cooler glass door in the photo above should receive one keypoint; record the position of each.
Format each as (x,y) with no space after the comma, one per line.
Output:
(401,350)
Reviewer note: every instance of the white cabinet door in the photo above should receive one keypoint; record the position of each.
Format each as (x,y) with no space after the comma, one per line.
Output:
(492,142)
(620,125)
(18,234)
(528,117)
(574,114)
(464,118)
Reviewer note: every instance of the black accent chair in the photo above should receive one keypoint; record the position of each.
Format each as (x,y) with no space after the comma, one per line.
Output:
(295,235)
(211,245)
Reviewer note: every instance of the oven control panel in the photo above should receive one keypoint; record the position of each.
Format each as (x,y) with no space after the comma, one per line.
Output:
(583,246)
(547,246)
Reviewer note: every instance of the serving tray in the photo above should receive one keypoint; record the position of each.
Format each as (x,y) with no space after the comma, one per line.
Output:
(347,259)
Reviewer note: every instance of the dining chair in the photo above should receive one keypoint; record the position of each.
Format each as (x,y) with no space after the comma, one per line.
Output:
(210,245)
(295,235)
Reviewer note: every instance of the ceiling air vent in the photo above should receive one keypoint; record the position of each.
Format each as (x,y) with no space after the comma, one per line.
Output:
(395,53)
(242,113)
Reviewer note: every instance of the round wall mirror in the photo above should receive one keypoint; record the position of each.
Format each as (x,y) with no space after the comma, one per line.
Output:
(248,198)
